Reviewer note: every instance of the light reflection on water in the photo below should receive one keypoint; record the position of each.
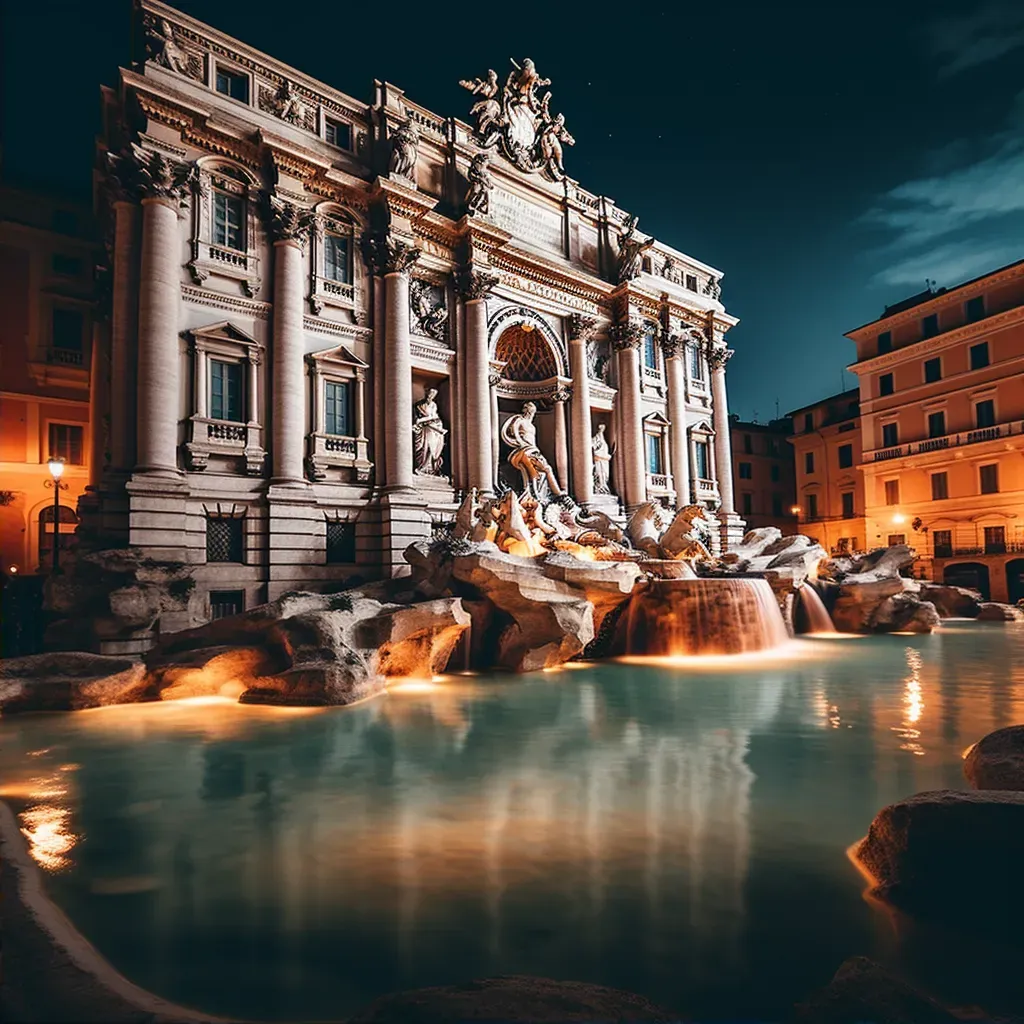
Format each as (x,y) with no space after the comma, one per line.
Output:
(674,830)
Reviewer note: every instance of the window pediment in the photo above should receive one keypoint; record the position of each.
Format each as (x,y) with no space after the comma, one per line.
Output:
(702,428)
(336,357)
(223,330)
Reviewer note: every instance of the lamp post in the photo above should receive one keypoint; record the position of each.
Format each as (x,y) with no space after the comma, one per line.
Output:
(56,466)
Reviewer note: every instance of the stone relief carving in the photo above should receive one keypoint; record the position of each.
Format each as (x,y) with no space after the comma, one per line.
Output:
(163,48)
(602,454)
(563,393)
(427,303)
(713,288)
(428,432)
(631,251)
(286,103)
(671,344)
(478,195)
(519,119)
(520,434)
(152,175)
(404,150)
(628,335)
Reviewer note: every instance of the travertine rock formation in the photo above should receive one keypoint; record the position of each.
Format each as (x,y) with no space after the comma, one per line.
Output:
(997,760)
(992,611)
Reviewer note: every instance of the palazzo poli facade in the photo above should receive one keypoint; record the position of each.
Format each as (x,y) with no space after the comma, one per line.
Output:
(329,320)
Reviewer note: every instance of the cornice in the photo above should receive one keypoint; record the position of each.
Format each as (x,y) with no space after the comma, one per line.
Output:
(335,329)
(228,303)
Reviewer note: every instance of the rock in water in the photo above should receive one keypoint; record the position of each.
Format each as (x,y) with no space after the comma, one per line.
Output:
(997,760)
(69,680)
(992,611)
(952,856)
(950,601)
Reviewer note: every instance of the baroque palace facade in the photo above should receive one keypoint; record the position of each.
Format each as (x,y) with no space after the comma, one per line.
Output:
(325,315)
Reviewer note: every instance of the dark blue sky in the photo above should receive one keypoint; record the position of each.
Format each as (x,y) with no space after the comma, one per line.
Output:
(827,157)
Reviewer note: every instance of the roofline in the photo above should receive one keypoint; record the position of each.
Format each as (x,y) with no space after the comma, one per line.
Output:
(822,401)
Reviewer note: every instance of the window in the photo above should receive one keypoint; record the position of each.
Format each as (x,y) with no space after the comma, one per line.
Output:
(66,266)
(225,391)
(979,355)
(337,133)
(809,462)
(228,225)
(696,363)
(885,386)
(930,325)
(776,474)
(892,492)
(936,423)
(932,370)
(337,409)
(989,479)
(233,84)
(337,266)
(884,342)
(746,471)
(974,309)
(691,282)
(940,486)
(67,329)
(748,445)
(847,499)
(808,422)
(223,539)
(995,540)
(66,443)
(341,543)
(943,541)
(985,413)
(654,463)
(703,463)
(897,538)
(776,504)
(812,506)
(845,456)
(226,602)
(748,503)
(650,351)
(890,435)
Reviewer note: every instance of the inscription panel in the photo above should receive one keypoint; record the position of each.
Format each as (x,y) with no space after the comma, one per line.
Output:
(527,222)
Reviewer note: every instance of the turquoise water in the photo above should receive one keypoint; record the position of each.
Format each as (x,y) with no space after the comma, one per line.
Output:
(675,830)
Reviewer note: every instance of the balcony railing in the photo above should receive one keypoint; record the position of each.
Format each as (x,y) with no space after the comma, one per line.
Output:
(932,444)
(1008,548)
(65,356)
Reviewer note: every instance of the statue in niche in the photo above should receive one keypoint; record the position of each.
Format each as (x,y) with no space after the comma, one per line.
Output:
(602,461)
(478,195)
(404,149)
(552,135)
(520,434)
(631,251)
(487,110)
(428,432)
(429,310)
(598,359)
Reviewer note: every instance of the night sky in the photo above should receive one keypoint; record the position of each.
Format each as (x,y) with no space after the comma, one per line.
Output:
(829,158)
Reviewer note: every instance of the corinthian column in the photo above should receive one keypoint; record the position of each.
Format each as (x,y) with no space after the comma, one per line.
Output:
(673,348)
(717,358)
(581,328)
(560,396)
(627,340)
(474,286)
(288,227)
(123,325)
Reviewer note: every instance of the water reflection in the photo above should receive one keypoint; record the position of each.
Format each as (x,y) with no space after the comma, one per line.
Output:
(913,706)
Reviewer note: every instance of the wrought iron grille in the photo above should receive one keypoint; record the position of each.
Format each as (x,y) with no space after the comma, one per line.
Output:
(223,539)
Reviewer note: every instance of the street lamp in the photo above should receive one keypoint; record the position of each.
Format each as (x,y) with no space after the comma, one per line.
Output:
(795,510)
(56,466)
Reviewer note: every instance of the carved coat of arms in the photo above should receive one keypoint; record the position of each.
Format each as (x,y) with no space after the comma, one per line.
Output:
(519,120)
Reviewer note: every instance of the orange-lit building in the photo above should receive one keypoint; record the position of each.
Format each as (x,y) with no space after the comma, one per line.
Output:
(762,473)
(829,485)
(47,260)
(942,422)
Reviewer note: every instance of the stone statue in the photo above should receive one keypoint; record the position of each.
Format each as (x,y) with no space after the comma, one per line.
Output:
(522,84)
(478,195)
(165,48)
(631,251)
(689,535)
(404,149)
(713,288)
(520,434)
(431,315)
(487,110)
(289,107)
(646,526)
(602,461)
(428,436)
(552,135)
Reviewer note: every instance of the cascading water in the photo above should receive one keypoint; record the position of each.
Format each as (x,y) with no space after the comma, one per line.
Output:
(701,616)
(816,616)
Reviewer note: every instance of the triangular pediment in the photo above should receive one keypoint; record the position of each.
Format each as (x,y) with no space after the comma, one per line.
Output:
(224,330)
(339,354)
(702,427)
(656,419)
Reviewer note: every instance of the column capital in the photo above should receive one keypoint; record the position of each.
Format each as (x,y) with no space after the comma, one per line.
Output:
(286,221)
(473,283)
(150,175)
(561,394)
(717,357)
(672,345)
(386,253)
(628,335)
(581,328)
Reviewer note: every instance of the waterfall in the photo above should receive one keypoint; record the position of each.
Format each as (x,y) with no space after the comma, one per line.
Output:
(701,616)
(816,616)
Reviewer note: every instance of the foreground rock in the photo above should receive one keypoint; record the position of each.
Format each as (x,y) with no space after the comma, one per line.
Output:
(952,856)
(997,760)
(68,681)
(886,605)
(863,990)
(992,611)
(952,602)
(512,998)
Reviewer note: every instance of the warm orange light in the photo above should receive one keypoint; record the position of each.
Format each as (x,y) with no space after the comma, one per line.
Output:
(795,510)
(898,519)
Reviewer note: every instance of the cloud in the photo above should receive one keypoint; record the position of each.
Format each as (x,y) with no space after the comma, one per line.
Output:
(948,264)
(971,40)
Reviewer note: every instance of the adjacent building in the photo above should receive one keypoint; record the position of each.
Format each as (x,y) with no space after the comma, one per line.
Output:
(47,260)
(942,408)
(323,312)
(763,473)
(829,502)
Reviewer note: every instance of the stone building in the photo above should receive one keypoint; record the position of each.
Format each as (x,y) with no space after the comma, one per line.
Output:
(325,313)
(47,259)
(763,473)
(829,482)
(942,401)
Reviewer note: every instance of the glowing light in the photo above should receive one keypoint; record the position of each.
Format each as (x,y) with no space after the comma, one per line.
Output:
(795,510)
(48,835)
(967,751)
(56,467)
(913,706)
(412,686)
(13,570)
(898,519)
(209,699)
(794,650)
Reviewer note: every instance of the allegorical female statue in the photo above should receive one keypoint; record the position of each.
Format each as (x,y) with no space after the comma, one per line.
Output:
(404,147)
(602,461)
(428,433)
(520,434)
